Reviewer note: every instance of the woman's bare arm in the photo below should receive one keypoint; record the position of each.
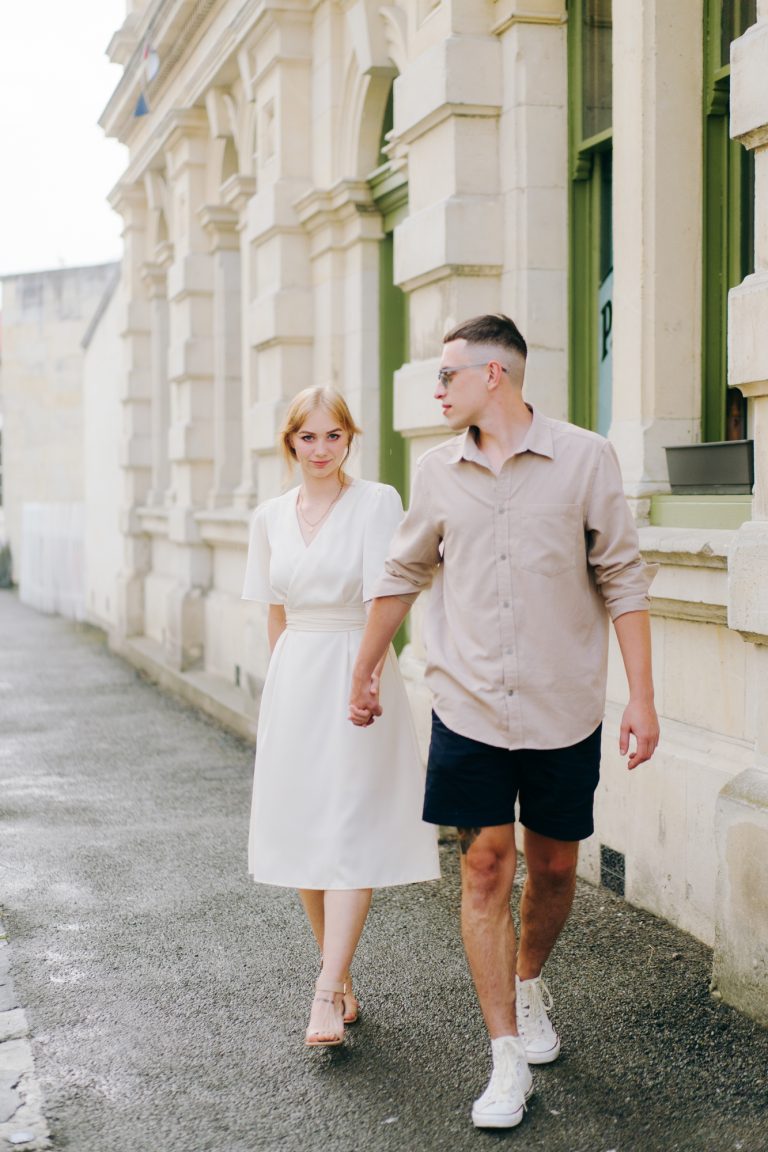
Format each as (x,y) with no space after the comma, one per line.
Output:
(275,625)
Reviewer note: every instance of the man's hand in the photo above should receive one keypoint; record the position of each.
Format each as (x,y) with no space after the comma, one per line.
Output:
(639,720)
(633,631)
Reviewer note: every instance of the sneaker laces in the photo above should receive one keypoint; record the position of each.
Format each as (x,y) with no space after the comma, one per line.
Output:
(504,1077)
(535,1006)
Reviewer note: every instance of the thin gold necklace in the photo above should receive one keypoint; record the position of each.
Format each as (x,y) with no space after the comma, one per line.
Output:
(316,523)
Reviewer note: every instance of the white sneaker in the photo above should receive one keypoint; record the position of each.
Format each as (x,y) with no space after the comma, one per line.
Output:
(542,1043)
(502,1105)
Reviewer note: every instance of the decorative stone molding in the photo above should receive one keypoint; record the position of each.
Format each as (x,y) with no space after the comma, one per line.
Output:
(221,225)
(507,13)
(236,192)
(740,973)
(340,216)
(460,76)
(459,236)
(749,92)
(225,527)
(378,39)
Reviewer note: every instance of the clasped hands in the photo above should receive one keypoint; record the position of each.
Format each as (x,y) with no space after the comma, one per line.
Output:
(364,704)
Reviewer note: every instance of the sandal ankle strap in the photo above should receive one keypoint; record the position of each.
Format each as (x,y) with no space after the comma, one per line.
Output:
(336,989)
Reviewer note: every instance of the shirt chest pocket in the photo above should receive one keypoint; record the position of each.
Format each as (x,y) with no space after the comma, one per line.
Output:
(551,539)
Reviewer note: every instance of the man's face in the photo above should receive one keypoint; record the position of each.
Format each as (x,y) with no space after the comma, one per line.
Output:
(462,386)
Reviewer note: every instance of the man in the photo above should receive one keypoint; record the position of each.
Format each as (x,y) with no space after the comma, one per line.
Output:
(521,527)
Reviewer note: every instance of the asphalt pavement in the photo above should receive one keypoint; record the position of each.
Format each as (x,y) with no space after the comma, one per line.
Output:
(157,999)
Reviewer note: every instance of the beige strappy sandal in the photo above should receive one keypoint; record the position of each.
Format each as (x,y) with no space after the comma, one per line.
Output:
(332,1031)
(351,1003)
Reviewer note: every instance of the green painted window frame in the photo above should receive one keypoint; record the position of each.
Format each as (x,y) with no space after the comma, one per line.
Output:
(728,214)
(588,158)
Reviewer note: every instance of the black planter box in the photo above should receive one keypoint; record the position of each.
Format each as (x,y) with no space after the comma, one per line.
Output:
(723,468)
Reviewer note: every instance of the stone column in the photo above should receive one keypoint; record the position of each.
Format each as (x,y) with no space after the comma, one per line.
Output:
(448,252)
(278,316)
(154,275)
(345,230)
(741,928)
(221,225)
(190,278)
(135,396)
(533,145)
(657,228)
(236,193)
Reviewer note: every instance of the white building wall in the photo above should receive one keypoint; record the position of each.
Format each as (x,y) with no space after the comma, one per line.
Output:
(45,316)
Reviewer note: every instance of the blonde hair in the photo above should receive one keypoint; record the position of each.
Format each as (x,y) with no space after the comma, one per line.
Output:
(307,401)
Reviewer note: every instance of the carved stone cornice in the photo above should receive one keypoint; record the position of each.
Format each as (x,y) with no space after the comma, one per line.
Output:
(291,20)
(129,201)
(339,216)
(221,225)
(183,124)
(169,26)
(510,12)
(237,191)
(154,278)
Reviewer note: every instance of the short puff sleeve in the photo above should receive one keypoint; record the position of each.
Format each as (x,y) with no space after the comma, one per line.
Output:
(384,516)
(257,585)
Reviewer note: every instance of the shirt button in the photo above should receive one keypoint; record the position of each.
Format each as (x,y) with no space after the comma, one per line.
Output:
(510,691)
(506,603)
(503,556)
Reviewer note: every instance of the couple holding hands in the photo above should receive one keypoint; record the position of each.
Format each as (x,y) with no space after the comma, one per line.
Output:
(520,529)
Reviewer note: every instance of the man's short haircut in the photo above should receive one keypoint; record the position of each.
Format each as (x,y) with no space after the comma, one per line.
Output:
(495,328)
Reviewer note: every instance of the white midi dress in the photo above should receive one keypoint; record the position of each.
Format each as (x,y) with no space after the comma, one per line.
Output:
(334,805)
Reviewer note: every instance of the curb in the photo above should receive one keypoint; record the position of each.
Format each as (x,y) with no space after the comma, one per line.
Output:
(22,1123)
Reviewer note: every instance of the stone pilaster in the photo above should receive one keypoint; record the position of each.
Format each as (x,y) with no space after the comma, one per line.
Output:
(448,252)
(657,278)
(135,395)
(741,930)
(278,312)
(190,373)
(220,223)
(154,275)
(533,150)
(236,193)
(345,229)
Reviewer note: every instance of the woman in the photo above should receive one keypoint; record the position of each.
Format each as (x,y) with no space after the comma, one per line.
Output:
(336,809)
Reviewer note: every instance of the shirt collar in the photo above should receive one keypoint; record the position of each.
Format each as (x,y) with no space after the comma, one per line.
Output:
(538,439)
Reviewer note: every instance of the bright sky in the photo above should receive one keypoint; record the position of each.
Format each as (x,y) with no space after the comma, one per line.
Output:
(56,165)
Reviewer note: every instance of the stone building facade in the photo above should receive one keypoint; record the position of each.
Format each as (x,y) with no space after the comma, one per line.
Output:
(317,190)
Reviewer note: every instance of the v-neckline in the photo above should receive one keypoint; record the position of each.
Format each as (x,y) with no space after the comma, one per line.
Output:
(308,543)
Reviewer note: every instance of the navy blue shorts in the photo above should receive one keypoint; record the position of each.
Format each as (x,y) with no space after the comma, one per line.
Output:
(475,785)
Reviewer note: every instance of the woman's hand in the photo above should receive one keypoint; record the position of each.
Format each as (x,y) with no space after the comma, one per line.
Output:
(364,704)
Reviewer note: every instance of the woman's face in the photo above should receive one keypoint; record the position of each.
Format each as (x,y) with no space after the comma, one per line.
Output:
(320,445)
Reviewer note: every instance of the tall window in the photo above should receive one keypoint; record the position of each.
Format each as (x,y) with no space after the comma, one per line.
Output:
(729,192)
(590,68)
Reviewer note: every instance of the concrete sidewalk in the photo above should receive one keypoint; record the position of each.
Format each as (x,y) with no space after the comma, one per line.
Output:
(166,996)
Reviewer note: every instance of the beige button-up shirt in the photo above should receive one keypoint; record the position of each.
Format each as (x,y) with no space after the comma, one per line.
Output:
(524,567)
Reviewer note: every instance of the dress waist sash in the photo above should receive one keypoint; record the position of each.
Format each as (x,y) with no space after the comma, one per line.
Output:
(339,618)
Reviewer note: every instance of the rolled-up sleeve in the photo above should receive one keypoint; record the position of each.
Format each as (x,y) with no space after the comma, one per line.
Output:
(415,550)
(621,575)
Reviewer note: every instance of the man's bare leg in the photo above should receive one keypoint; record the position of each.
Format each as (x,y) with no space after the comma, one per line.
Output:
(546,900)
(488,860)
